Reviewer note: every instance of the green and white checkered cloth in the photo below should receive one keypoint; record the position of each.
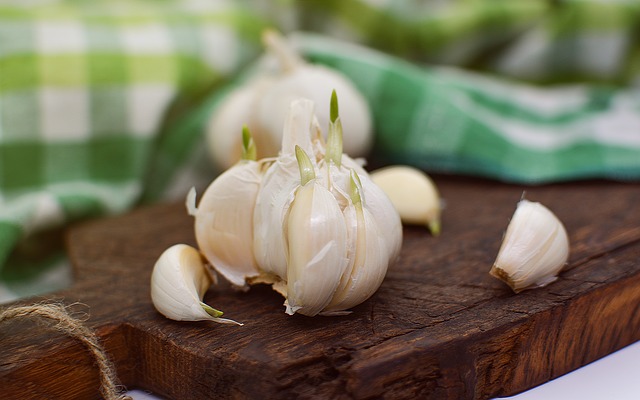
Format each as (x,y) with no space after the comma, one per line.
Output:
(103,104)
(85,90)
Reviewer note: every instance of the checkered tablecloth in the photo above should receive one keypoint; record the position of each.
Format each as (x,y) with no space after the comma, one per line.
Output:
(103,104)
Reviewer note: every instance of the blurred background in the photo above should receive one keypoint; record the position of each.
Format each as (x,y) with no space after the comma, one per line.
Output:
(108,105)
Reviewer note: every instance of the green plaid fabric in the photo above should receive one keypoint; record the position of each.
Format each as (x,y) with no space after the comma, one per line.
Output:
(534,40)
(446,119)
(85,91)
(103,104)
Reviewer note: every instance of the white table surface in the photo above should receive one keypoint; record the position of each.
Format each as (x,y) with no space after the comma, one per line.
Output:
(615,377)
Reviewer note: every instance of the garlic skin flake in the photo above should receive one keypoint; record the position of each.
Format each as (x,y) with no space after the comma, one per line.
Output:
(263,104)
(178,283)
(534,250)
(413,194)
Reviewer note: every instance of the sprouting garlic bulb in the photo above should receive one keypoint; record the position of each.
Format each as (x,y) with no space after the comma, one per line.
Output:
(323,234)
(262,103)
(413,193)
(178,283)
(534,250)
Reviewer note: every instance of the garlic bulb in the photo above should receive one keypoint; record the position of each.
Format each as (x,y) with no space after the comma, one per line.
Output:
(534,250)
(178,283)
(263,104)
(413,193)
(311,222)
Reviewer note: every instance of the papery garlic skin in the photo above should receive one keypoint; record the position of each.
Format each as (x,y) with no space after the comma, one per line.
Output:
(263,104)
(178,283)
(534,250)
(412,193)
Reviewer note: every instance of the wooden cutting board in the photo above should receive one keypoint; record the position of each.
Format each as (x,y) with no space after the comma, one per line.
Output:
(439,327)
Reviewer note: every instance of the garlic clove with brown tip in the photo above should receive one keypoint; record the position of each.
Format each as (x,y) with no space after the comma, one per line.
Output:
(178,283)
(534,250)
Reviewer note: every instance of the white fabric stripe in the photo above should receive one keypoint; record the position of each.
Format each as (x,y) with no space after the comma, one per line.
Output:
(41,209)
(54,37)
(34,211)
(146,39)
(220,48)
(620,126)
(146,104)
(546,102)
(598,52)
(114,197)
(64,114)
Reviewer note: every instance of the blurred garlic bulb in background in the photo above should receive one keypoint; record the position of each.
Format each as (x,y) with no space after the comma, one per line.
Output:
(534,250)
(262,103)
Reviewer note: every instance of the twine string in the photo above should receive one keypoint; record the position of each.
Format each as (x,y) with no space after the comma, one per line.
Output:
(74,328)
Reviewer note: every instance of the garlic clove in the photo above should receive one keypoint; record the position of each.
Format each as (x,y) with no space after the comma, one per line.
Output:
(339,169)
(412,193)
(368,256)
(224,217)
(178,283)
(534,250)
(317,244)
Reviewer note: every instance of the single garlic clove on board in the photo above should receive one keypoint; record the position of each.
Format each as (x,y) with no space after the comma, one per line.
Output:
(178,283)
(534,249)
(412,193)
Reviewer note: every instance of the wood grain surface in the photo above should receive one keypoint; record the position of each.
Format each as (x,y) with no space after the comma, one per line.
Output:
(439,327)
